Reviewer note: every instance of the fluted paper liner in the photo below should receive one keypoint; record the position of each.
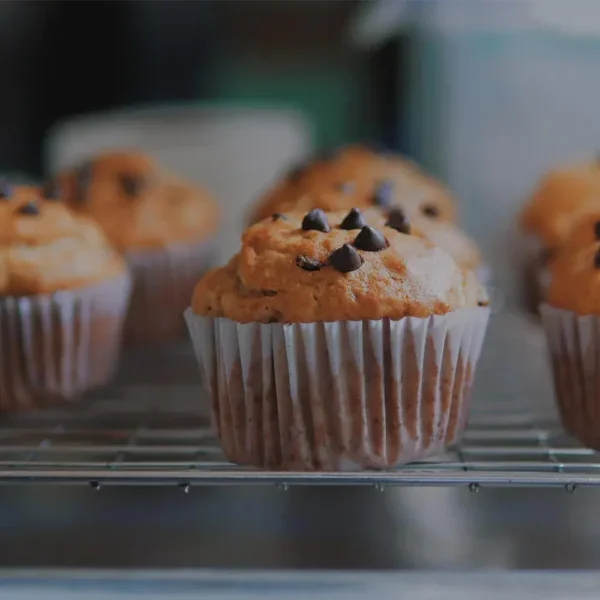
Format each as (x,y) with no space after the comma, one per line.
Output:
(574,345)
(54,347)
(344,395)
(163,283)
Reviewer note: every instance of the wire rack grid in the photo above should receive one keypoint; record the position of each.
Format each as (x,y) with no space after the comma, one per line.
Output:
(152,427)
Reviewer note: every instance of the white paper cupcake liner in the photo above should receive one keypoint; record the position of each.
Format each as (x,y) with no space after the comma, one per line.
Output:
(53,347)
(574,345)
(163,282)
(339,396)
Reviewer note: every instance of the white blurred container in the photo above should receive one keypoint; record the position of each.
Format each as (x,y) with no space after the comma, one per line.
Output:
(234,151)
(498,92)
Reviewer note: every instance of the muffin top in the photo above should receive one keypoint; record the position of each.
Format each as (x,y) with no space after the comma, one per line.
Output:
(305,267)
(355,176)
(45,247)
(561,198)
(138,205)
(575,269)
(447,236)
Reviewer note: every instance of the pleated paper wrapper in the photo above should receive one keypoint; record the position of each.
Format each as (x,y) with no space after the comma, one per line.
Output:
(345,395)
(574,345)
(54,347)
(164,280)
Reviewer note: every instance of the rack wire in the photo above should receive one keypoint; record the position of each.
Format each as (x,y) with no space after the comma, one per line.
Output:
(152,428)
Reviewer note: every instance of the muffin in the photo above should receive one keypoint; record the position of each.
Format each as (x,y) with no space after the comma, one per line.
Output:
(562,197)
(358,176)
(559,200)
(162,225)
(63,300)
(329,344)
(571,319)
(430,219)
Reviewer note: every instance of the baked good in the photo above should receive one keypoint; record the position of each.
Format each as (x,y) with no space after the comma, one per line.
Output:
(161,224)
(571,318)
(434,218)
(327,343)
(63,297)
(355,176)
(561,198)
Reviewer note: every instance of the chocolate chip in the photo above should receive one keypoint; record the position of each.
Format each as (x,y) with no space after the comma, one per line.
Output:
(131,184)
(5,190)
(315,220)
(482,303)
(345,259)
(308,264)
(397,220)
(353,220)
(346,187)
(51,190)
(278,217)
(370,240)
(431,210)
(383,194)
(597,260)
(597,230)
(30,209)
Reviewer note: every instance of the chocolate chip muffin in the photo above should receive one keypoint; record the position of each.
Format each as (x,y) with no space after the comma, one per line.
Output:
(63,299)
(562,197)
(161,224)
(328,343)
(571,318)
(559,200)
(355,176)
(433,218)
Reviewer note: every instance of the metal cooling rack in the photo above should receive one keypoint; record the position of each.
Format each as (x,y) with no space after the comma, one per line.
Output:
(152,428)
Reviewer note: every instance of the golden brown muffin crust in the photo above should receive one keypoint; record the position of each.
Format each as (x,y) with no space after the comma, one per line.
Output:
(575,269)
(45,247)
(137,204)
(286,273)
(357,176)
(561,198)
(447,236)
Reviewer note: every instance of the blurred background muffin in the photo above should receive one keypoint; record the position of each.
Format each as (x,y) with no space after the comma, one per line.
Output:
(571,318)
(562,197)
(63,299)
(365,178)
(162,224)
